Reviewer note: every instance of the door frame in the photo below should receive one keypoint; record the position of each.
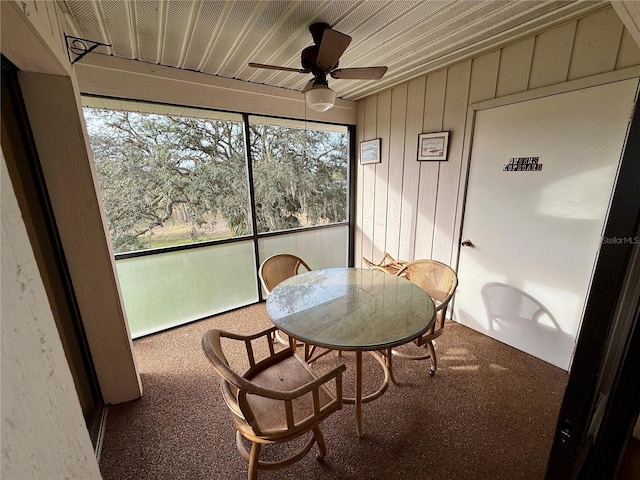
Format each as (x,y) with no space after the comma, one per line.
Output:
(28,181)
(601,400)
(568,456)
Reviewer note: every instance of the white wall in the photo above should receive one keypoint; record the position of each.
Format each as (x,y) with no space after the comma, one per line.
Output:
(413,209)
(43,430)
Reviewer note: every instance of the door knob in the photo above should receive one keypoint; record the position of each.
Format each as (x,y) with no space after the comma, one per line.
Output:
(467,243)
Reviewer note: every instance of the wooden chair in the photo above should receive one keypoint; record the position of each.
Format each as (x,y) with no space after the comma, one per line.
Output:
(387,264)
(440,282)
(276,400)
(276,269)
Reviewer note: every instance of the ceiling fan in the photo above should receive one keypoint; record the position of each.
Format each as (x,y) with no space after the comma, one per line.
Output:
(321,59)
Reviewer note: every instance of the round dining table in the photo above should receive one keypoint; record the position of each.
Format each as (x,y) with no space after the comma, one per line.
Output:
(352,309)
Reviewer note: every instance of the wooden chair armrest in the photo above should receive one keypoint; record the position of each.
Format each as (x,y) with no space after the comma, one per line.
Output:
(267,334)
(253,336)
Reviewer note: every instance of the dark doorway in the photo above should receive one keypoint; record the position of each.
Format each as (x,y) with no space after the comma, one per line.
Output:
(28,183)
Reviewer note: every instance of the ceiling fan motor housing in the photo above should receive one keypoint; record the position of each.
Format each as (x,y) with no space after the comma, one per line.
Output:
(317,31)
(321,60)
(309,59)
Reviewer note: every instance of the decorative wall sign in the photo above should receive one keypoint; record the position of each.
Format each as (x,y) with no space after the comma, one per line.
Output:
(523,164)
(433,146)
(370,151)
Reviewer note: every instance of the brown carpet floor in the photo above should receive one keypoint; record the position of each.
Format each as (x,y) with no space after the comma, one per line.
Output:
(488,413)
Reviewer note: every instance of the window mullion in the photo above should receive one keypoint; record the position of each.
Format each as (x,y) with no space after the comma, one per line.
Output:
(252,196)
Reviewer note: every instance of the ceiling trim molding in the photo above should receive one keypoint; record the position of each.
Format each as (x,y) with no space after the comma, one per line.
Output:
(109,76)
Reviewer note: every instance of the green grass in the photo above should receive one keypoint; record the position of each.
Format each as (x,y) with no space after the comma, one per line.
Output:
(172,240)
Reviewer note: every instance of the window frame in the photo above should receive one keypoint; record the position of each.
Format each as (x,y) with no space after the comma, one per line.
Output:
(255,235)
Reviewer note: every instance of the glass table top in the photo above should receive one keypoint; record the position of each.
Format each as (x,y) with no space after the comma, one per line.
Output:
(351,309)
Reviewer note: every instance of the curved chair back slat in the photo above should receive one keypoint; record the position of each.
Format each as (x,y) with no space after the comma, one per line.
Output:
(436,278)
(278,268)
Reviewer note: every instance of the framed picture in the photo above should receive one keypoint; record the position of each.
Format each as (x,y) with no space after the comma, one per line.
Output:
(370,151)
(433,146)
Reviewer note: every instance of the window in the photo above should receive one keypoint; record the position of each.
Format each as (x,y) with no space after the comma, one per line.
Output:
(299,173)
(180,176)
(167,180)
(177,192)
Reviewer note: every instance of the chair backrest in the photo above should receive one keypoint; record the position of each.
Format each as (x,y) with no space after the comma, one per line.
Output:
(230,382)
(436,278)
(278,268)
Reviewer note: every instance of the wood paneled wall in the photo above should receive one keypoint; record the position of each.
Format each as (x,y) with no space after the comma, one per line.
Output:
(411,209)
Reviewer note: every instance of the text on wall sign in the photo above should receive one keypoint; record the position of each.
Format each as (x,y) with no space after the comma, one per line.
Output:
(523,164)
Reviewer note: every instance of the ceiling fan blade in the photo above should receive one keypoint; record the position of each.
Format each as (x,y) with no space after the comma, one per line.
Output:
(331,49)
(276,67)
(359,73)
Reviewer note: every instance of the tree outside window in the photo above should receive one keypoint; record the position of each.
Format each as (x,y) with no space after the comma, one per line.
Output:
(167,180)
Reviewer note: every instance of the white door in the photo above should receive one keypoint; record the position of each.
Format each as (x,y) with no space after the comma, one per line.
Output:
(540,179)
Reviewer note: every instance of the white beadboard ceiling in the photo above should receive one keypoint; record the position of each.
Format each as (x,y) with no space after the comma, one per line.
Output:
(220,38)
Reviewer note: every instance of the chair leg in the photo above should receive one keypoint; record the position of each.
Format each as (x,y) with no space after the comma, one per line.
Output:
(434,360)
(322,447)
(254,460)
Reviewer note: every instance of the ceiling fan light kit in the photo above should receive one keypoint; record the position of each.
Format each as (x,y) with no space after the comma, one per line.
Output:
(320,98)
(321,60)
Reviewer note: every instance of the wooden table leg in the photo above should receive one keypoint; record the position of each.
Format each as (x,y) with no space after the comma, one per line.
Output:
(358,399)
